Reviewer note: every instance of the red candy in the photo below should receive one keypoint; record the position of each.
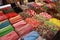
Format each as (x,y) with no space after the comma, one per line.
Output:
(47,0)
(31,12)
(32,22)
(2,16)
(11,14)
(10,36)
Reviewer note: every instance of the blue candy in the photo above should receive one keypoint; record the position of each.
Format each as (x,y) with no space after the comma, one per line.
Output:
(4,24)
(31,36)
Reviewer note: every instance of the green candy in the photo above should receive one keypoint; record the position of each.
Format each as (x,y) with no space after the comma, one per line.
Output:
(38,18)
(51,26)
(46,8)
(47,23)
(24,15)
(6,30)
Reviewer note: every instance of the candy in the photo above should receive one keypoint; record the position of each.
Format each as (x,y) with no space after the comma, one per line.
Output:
(15,19)
(30,12)
(55,21)
(32,22)
(24,30)
(51,26)
(45,15)
(10,36)
(2,17)
(39,38)
(6,30)
(26,15)
(4,24)
(31,36)
(44,31)
(39,18)
(9,10)
(11,14)
(19,24)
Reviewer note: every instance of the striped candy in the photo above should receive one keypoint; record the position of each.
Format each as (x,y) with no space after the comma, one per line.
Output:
(19,24)
(15,19)
(4,24)
(2,17)
(6,30)
(10,36)
(11,14)
(24,30)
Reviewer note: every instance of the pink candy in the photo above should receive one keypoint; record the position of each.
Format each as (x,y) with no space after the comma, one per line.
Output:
(31,12)
(45,15)
(19,24)
(10,36)
(25,29)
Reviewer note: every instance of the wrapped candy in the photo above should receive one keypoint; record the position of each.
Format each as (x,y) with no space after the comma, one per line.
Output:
(25,15)
(2,16)
(51,26)
(35,7)
(31,36)
(8,11)
(40,38)
(24,30)
(39,18)
(6,30)
(4,24)
(10,36)
(11,14)
(15,19)
(7,8)
(32,22)
(30,12)
(19,24)
(44,32)
(45,15)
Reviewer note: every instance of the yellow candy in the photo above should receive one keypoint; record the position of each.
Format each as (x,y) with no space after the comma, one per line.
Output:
(55,21)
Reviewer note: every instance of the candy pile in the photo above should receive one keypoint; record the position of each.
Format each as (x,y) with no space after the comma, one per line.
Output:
(34,23)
